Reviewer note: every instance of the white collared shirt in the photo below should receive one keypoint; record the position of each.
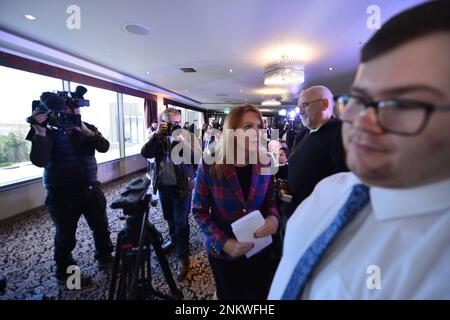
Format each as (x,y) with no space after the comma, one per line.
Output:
(398,247)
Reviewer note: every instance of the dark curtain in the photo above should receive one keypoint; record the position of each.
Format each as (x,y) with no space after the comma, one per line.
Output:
(150,111)
(24,64)
(205,116)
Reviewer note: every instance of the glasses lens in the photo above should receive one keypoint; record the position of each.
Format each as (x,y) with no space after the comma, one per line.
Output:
(349,107)
(400,117)
(342,102)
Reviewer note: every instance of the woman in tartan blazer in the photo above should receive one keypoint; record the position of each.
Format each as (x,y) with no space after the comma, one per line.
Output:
(225,191)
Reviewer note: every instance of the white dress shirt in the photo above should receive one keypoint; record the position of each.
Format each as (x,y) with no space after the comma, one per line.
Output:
(401,239)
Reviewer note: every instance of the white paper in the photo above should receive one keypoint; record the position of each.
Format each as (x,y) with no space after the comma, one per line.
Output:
(245,227)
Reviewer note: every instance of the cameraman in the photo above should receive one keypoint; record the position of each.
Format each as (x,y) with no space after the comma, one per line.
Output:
(174,183)
(70,181)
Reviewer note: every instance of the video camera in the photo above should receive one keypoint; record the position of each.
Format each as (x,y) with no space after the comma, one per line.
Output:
(55,104)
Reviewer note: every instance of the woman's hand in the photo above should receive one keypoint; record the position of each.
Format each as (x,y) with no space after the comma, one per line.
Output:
(235,249)
(269,227)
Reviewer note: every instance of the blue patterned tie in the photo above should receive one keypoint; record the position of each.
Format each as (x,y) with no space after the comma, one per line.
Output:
(357,200)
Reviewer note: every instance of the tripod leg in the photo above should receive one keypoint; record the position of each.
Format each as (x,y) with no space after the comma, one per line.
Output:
(116,265)
(154,239)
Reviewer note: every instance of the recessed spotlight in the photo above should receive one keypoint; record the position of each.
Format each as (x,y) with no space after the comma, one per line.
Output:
(330,68)
(147,72)
(30,17)
(231,70)
(186,90)
(136,29)
(241,90)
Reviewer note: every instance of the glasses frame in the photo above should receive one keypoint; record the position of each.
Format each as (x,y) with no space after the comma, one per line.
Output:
(305,105)
(377,105)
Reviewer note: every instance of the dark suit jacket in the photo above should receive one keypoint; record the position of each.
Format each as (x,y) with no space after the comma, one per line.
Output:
(315,156)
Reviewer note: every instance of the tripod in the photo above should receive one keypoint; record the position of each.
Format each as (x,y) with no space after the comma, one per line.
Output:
(132,278)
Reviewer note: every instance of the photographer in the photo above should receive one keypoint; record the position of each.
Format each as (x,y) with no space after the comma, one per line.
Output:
(174,183)
(70,180)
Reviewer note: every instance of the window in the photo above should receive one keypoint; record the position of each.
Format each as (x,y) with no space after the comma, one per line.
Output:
(103,114)
(134,124)
(188,115)
(18,90)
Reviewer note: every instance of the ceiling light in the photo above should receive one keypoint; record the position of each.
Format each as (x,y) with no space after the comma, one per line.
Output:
(272,91)
(297,110)
(136,29)
(292,115)
(284,73)
(231,70)
(282,112)
(148,72)
(271,102)
(241,90)
(30,17)
(108,54)
(330,68)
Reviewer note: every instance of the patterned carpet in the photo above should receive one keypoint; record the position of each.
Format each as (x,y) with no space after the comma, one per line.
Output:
(26,256)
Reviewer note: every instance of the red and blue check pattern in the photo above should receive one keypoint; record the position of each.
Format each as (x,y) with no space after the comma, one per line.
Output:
(218,202)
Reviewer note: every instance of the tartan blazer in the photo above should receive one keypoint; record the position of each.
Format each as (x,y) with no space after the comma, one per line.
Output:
(218,202)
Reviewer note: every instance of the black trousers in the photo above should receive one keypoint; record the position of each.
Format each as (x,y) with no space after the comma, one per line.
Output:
(243,278)
(65,210)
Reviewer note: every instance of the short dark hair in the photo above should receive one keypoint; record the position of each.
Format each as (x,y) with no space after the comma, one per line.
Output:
(432,16)
(286,151)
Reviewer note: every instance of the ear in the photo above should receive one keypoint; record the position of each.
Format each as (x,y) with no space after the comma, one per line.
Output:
(325,104)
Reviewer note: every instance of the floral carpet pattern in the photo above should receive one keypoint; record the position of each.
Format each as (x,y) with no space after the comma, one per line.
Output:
(26,256)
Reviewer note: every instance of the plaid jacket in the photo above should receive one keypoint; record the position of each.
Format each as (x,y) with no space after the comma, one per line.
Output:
(217,203)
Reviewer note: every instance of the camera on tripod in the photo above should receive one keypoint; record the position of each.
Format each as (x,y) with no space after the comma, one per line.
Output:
(132,276)
(56,104)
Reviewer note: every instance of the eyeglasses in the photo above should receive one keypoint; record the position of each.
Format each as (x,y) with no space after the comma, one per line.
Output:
(403,117)
(304,105)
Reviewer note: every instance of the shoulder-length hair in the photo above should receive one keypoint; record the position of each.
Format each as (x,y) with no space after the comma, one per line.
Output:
(231,122)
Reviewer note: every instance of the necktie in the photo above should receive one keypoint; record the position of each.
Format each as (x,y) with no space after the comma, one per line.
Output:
(358,199)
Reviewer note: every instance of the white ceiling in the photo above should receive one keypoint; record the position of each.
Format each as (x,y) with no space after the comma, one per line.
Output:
(212,36)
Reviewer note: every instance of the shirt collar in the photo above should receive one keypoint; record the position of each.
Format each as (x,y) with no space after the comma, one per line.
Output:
(399,203)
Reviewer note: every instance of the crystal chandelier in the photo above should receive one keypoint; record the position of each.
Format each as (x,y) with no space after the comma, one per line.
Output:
(284,73)
(271,102)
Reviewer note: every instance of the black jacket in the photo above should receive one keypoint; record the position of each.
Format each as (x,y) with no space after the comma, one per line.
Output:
(315,156)
(156,148)
(68,158)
